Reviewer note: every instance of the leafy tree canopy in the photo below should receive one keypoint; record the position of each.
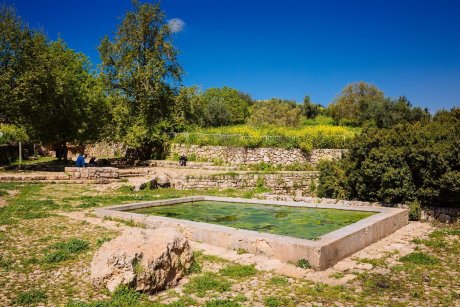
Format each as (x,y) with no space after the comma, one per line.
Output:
(47,87)
(138,64)
(275,112)
(361,104)
(225,106)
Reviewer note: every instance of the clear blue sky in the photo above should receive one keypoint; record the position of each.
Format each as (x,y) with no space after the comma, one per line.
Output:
(290,48)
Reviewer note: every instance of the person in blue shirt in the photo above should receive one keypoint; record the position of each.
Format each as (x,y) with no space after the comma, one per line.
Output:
(80,161)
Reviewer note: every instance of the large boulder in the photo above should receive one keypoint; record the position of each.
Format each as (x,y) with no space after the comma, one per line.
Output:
(160,181)
(146,260)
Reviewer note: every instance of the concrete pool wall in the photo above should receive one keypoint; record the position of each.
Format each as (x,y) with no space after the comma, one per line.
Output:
(321,254)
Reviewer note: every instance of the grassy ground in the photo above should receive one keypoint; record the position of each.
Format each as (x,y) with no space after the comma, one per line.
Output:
(45,257)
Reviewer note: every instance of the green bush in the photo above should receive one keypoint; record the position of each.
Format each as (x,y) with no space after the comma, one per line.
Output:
(400,165)
(332,179)
(415,210)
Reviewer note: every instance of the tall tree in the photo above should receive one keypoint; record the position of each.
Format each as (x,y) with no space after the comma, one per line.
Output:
(68,105)
(225,106)
(47,87)
(310,109)
(138,64)
(353,99)
(20,48)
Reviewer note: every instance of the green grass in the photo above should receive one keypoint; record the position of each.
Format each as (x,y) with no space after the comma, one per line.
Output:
(238,271)
(337,275)
(275,301)
(222,303)
(30,297)
(241,251)
(279,281)
(196,266)
(201,284)
(66,250)
(102,240)
(419,258)
(130,223)
(122,296)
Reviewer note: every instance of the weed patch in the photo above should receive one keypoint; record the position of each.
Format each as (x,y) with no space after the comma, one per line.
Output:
(419,258)
(279,281)
(303,264)
(207,282)
(239,271)
(274,301)
(62,251)
(222,303)
(31,297)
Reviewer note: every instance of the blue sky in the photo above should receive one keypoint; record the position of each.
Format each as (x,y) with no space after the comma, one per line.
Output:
(290,48)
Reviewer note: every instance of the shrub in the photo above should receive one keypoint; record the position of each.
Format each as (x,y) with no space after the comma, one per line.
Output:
(400,165)
(415,210)
(332,179)
(304,264)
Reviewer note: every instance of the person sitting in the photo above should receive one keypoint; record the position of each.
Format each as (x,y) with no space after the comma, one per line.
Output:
(92,161)
(80,161)
(183,160)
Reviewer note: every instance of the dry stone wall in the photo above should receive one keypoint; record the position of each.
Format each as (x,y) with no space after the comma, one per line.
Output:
(93,172)
(279,183)
(240,155)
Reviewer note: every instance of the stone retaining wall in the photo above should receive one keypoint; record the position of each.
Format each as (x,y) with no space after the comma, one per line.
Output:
(93,172)
(279,183)
(241,155)
(441,214)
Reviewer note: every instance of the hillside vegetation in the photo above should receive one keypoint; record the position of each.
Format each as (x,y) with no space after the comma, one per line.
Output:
(317,133)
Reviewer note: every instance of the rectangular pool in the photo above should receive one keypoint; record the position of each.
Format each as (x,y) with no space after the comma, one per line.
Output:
(288,231)
(298,222)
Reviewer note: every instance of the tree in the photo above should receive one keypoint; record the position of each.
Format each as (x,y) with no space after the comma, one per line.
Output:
(310,109)
(189,107)
(362,104)
(275,112)
(225,106)
(353,99)
(47,87)
(137,65)
(69,105)
(20,48)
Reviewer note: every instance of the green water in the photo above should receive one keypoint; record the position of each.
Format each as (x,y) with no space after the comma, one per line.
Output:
(304,223)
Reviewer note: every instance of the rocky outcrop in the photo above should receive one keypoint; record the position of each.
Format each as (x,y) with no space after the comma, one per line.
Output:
(144,259)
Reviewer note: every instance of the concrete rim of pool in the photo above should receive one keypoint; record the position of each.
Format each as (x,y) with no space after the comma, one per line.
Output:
(321,253)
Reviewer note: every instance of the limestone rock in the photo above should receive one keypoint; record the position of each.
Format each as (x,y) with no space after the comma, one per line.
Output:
(162,181)
(444,218)
(146,260)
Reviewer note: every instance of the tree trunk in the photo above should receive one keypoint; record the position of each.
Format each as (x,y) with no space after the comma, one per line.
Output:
(64,151)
